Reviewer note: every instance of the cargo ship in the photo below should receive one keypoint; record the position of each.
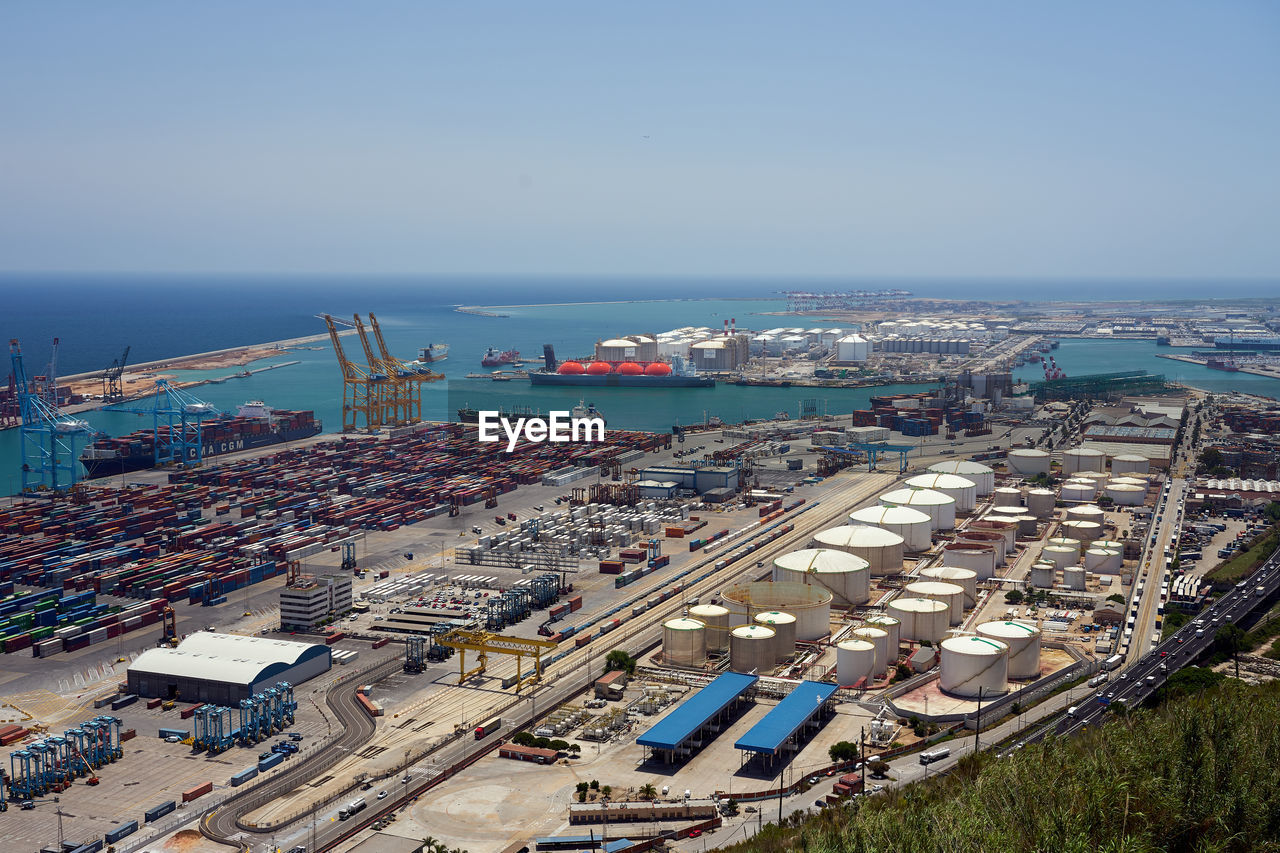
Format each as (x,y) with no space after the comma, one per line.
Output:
(679,373)
(1248,342)
(469,415)
(433,352)
(254,425)
(494,358)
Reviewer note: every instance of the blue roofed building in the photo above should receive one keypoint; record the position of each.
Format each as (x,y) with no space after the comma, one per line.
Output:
(782,729)
(684,729)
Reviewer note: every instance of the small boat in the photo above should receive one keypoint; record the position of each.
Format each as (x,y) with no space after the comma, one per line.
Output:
(587,410)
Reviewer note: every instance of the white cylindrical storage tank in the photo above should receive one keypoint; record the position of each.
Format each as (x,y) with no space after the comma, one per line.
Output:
(1060,556)
(1086,512)
(1104,560)
(1130,481)
(1067,542)
(1125,495)
(684,642)
(977,557)
(949,594)
(967,579)
(940,508)
(921,618)
(1078,492)
(1111,545)
(1028,526)
(1042,575)
(855,659)
(1083,459)
(1027,462)
(880,642)
(881,549)
(810,604)
(1040,502)
(915,527)
(1085,531)
(893,628)
(1023,641)
(751,649)
(974,667)
(784,629)
(846,576)
(1073,578)
(961,489)
(716,618)
(1130,463)
(983,477)
(1002,539)
(1006,496)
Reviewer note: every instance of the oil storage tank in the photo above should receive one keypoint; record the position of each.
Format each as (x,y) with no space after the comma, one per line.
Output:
(784,629)
(855,660)
(960,489)
(1083,459)
(716,620)
(915,527)
(1122,494)
(1079,491)
(1006,496)
(1027,462)
(977,557)
(1086,512)
(881,549)
(967,579)
(982,476)
(879,639)
(1073,578)
(1040,502)
(890,626)
(1104,560)
(1042,575)
(921,618)
(1023,641)
(1060,556)
(974,667)
(1067,542)
(1085,531)
(949,594)
(1130,463)
(846,576)
(940,508)
(684,642)
(811,605)
(751,649)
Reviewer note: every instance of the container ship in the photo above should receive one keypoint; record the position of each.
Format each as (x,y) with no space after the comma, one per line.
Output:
(494,358)
(254,425)
(433,352)
(1249,342)
(627,374)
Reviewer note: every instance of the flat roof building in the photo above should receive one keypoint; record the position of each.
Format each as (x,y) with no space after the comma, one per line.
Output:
(310,600)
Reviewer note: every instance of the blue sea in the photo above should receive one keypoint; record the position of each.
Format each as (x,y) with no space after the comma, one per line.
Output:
(160,317)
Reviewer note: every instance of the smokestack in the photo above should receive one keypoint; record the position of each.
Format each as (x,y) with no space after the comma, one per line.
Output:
(726,328)
(733,325)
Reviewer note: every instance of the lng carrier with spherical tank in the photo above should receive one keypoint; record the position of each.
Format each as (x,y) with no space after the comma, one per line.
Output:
(677,372)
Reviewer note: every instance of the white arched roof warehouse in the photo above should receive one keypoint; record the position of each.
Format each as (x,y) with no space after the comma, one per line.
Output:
(224,668)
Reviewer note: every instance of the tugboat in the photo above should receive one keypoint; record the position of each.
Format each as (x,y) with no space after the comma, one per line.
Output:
(587,410)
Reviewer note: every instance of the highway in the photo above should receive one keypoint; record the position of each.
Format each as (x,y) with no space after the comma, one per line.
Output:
(1161,539)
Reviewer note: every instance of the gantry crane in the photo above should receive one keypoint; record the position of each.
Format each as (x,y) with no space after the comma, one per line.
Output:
(409,379)
(486,643)
(359,396)
(46,385)
(177,422)
(111,391)
(49,438)
(387,389)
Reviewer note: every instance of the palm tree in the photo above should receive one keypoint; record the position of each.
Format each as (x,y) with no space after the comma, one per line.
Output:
(647,791)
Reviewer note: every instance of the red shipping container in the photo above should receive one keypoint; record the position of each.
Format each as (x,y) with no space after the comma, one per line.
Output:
(197,792)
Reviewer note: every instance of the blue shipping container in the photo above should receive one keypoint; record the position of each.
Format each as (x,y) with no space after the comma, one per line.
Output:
(127,828)
(243,776)
(160,811)
(268,763)
(181,734)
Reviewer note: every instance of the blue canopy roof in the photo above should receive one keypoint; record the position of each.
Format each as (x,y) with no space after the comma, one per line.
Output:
(692,714)
(783,721)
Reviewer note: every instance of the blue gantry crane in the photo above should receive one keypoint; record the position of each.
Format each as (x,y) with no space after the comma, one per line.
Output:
(177,417)
(50,439)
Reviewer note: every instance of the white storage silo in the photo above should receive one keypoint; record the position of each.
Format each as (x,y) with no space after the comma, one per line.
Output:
(940,508)
(1042,575)
(1067,542)
(977,557)
(1078,492)
(921,618)
(1060,557)
(716,618)
(1085,531)
(1040,502)
(1083,459)
(961,489)
(751,649)
(846,576)
(890,626)
(1130,481)
(915,527)
(974,667)
(982,476)
(1023,641)
(962,577)
(949,594)
(881,549)
(810,604)
(880,642)
(855,659)
(1126,495)
(1028,526)
(784,629)
(1006,496)
(1002,537)
(1073,578)
(1027,462)
(684,642)
(1130,463)
(1086,512)
(1009,514)
(1101,560)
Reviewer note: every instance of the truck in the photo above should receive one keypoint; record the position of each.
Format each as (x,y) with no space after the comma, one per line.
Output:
(1260,591)
(1112,662)
(932,755)
(488,727)
(352,808)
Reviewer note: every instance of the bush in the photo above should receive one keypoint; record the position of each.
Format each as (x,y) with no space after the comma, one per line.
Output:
(842,751)
(1013,596)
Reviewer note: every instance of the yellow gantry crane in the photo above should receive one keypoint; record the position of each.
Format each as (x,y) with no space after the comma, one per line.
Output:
(408,380)
(360,397)
(383,389)
(486,643)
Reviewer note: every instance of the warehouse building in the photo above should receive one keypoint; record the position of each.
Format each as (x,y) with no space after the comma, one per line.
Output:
(309,601)
(222,669)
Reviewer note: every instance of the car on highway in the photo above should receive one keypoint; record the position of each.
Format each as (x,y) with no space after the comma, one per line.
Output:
(382,795)
(694,833)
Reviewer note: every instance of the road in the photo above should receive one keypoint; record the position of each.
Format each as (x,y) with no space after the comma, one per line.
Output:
(1161,541)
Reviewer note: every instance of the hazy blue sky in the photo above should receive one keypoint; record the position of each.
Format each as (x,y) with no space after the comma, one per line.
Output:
(969,138)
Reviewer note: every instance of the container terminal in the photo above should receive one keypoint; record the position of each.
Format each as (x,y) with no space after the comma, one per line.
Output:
(404,619)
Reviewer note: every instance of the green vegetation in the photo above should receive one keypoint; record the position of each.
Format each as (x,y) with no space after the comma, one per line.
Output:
(527,739)
(1116,597)
(618,659)
(1247,560)
(1173,620)
(1013,596)
(842,751)
(1184,682)
(1195,774)
(1043,480)
(902,673)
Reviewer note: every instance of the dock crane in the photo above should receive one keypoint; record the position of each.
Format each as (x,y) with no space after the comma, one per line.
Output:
(384,389)
(359,396)
(49,438)
(111,390)
(410,379)
(46,385)
(177,418)
(486,643)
